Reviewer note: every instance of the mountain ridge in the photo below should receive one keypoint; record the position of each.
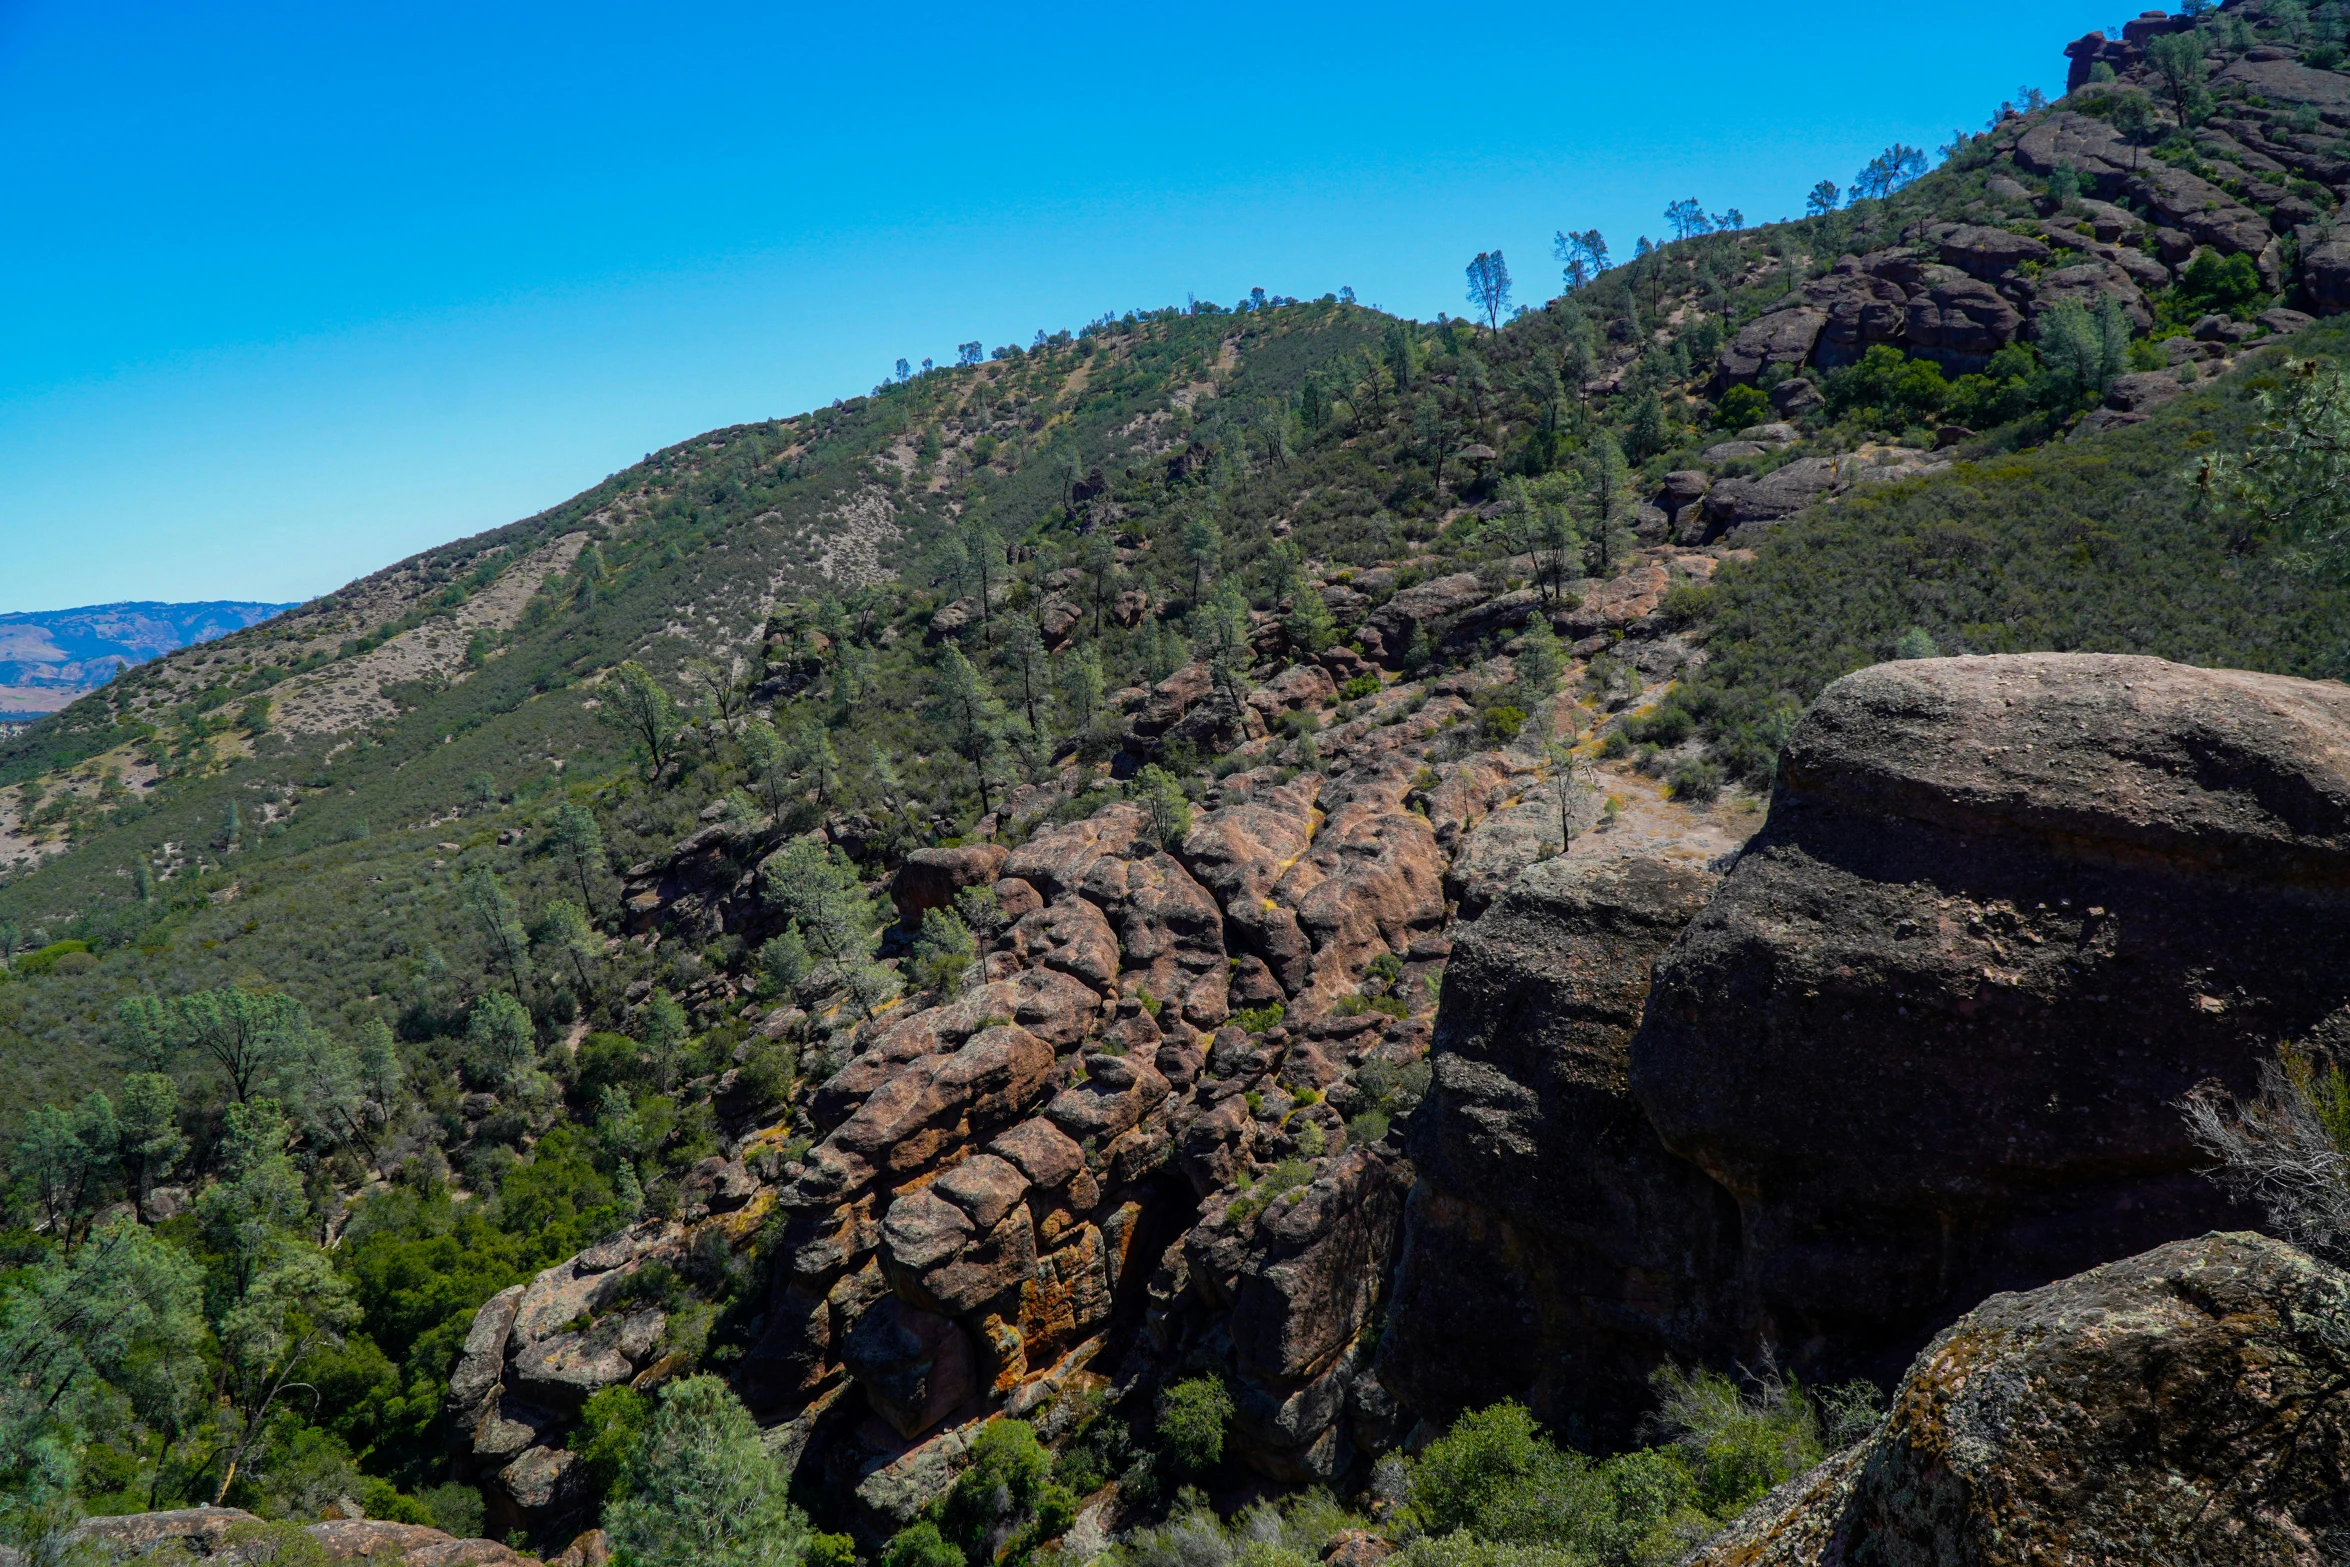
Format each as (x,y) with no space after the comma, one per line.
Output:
(50,658)
(938,913)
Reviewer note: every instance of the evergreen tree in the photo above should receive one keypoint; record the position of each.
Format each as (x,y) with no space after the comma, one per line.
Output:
(944,952)
(836,921)
(501,1046)
(500,924)
(149,1143)
(579,847)
(565,934)
(970,716)
(1101,570)
(1308,623)
(278,1299)
(1607,504)
(1156,790)
(769,767)
(1203,551)
(1025,658)
(1082,687)
(635,703)
(666,1028)
(815,760)
(703,1491)
(1222,643)
(1537,664)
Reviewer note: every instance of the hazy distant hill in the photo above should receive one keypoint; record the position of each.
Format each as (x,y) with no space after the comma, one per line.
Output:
(50,657)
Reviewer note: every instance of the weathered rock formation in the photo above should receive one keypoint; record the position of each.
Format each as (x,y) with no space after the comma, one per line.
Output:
(2189,1406)
(229,1536)
(1931,1031)
(1923,1043)
(1557,1253)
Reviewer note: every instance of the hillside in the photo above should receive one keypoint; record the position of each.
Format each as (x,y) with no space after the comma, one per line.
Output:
(49,658)
(940,906)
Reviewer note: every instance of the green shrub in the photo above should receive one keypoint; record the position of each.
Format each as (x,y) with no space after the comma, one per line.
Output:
(456,1508)
(1695,778)
(1359,687)
(1503,723)
(702,1491)
(1191,1420)
(921,1545)
(2213,284)
(1742,406)
(1006,1476)
(1887,388)
(610,1426)
(1256,1020)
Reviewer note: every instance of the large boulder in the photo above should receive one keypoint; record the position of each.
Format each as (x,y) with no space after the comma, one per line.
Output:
(930,878)
(1776,495)
(2199,209)
(1783,337)
(1862,311)
(2190,1406)
(1959,323)
(2089,146)
(1555,1252)
(1930,1032)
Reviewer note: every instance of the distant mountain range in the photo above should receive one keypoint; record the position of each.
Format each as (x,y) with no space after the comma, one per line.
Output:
(50,657)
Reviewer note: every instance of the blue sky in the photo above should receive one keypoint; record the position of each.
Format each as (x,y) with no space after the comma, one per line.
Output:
(297,289)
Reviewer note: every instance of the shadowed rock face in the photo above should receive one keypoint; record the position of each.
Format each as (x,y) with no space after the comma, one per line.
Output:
(1931,1032)
(2190,1406)
(1557,1252)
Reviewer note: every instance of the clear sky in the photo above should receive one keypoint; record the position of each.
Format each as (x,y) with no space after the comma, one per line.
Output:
(295,289)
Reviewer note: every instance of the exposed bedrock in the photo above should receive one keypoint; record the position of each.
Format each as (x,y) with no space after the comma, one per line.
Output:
(2191,1405)
(1924,1042)
(1556,1252)
(1931,1032)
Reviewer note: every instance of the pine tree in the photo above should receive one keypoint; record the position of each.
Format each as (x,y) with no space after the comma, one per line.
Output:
(1025,657)
(1537,664)
(564,932)
(818,891)
(1156,790)
(1308,623)
(579,846)
(768,765)
(500,923)
(815,760)
(703,1491)
(665,1027)
(971,717)
(1082,687)
(1203,551)
(1607,504)
(501,1047)
(149,1142)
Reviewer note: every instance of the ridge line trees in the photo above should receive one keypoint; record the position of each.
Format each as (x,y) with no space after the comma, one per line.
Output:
(1489,287)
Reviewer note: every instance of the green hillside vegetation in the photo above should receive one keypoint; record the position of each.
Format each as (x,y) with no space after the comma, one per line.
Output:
(336,976)
(2106,545)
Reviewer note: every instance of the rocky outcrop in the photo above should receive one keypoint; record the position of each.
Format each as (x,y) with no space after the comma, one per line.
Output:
(1557,1252)
(2007,910)
(2191,1405)
(229,1536)
(537,1352)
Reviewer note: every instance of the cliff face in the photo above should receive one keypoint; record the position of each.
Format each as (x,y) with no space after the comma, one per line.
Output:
(1556,1251)
(1924,1042)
